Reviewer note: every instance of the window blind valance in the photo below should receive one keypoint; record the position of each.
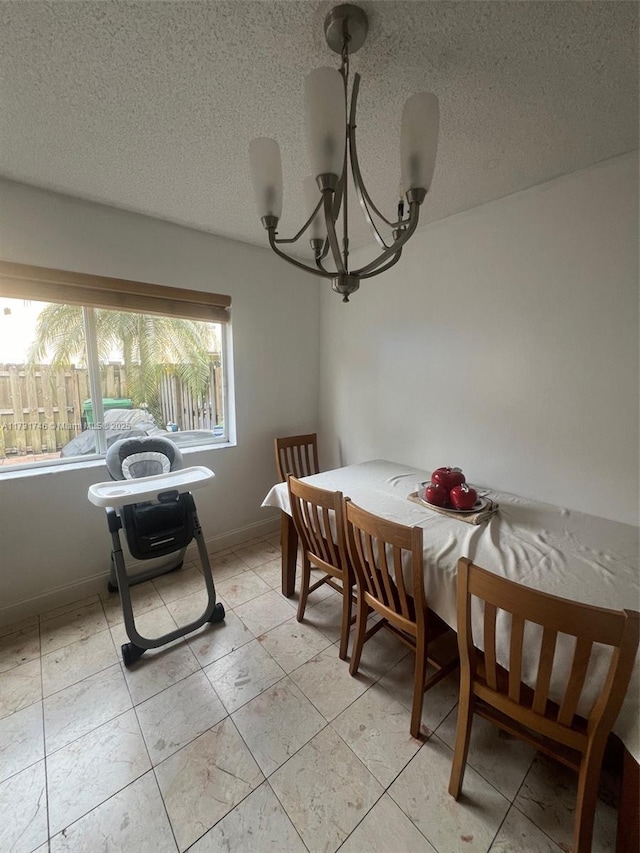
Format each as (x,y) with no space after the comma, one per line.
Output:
(21,281)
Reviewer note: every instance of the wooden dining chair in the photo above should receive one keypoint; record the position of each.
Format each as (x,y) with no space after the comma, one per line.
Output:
(297,455)
(378,550)
(319,521)
(498,694)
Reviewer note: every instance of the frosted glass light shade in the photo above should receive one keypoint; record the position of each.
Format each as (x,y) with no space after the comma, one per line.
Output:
(266,176)
(326,120)
(419,140)
(312,197)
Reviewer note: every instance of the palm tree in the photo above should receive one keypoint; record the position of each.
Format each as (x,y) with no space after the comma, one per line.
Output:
(149,346)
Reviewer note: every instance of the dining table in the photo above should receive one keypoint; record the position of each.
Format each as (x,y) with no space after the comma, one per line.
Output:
(554,549)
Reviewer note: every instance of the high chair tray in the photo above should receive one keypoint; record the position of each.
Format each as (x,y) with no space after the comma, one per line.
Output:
(117,493)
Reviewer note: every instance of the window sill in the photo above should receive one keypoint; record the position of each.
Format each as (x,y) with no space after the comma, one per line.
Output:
(79,465)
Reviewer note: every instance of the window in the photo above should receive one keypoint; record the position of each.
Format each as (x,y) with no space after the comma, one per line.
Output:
(102,359)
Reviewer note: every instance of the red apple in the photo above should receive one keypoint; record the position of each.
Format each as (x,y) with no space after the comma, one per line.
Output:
(448,477)
(463,496)
(436,494)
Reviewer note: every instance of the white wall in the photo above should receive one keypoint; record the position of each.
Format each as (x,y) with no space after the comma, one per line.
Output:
(505,341)
(51,538)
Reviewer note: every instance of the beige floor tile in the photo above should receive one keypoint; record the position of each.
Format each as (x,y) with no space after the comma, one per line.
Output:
(15,627)
(264,613)
(548,798)
(243,674)
(76,661)
(261,817)
(144,597)
(82,707)
(277,723)
(68,608)
(88,771)
(23,810)
(158,669)
(325,790)
(386,828)
(421,791)
(382,652)
(204,780)
(192,607)
(501,759)
(225,566)
(72,626)
(177,584)
(271,572)
(518,835)
(438,700)
(324,612)
(132,821)
(257,554)
(376,727)
(20,687)
(177,715)
(21,741)
(19,647)
(317,595)
(293,643)
(154,623)
(325,680)
(241,588)
(212,642)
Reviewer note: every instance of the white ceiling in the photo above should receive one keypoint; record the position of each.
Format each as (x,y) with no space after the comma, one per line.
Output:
(150,106)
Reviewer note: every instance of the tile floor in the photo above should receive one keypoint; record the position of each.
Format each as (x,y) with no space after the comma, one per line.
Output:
(250,736)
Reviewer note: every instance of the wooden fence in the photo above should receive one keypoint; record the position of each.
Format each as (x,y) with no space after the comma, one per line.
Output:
(41,406)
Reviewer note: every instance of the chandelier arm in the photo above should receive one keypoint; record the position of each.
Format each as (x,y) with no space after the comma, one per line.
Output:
(355,166)
(363,195)
(394,260)
(299,264)
(414,215)
(331,232)
(304,227)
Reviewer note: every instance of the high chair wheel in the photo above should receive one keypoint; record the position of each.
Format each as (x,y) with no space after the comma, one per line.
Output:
(218,613)
(112,587)
(131,653)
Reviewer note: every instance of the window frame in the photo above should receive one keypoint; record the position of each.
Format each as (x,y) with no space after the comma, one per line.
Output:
(28,282)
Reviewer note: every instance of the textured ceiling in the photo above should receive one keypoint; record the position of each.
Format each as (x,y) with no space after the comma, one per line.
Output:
(150,106)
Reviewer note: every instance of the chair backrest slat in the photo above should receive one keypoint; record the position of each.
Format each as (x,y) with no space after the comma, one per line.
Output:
(318,515)
(619,630)
(515,657)
(297,455)
(379,550)
(490,645)
(545,668)
(581,658)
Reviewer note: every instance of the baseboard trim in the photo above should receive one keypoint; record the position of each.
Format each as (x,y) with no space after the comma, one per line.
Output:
(57,597)
(96,583)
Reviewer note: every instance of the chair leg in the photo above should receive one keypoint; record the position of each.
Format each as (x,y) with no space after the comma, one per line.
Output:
(305,581)
(346,619)
(361,630)
(419,677)
(463,736)
(587,796)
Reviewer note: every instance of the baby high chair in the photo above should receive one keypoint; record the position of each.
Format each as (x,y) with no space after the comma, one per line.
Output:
(151,501)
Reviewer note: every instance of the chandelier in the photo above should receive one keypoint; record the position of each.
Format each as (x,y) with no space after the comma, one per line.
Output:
(331,138)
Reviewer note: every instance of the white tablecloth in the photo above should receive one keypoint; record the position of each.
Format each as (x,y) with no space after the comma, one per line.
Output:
(562,552)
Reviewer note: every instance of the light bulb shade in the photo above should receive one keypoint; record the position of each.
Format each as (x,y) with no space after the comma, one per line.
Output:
(326,121)
(312,197)
(419,140)
(266,176)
